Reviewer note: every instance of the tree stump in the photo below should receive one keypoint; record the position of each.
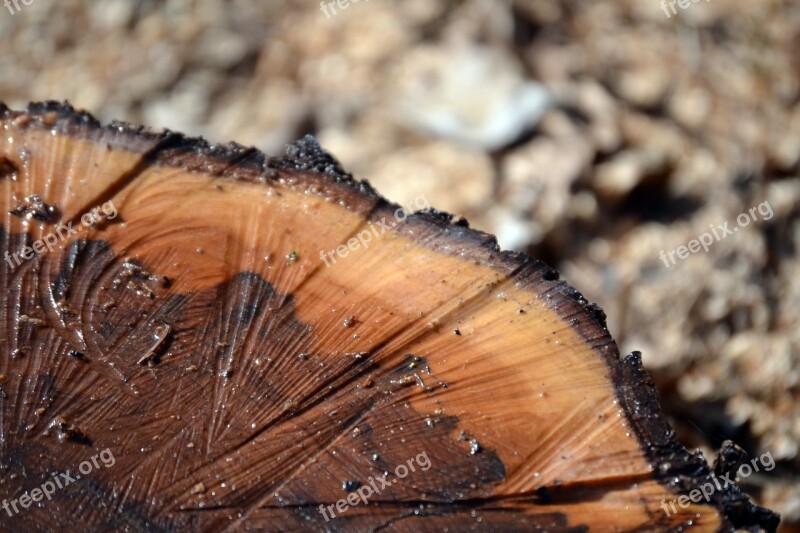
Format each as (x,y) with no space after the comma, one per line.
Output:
(234,342)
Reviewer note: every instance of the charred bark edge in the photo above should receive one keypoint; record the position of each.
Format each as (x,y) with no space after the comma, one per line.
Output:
(306,159)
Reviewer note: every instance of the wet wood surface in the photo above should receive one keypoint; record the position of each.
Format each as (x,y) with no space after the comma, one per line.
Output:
(255,339)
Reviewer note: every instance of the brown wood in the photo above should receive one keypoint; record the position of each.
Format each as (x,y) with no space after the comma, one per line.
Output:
(240,383)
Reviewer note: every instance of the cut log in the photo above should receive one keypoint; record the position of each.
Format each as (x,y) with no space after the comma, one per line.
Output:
(233,342)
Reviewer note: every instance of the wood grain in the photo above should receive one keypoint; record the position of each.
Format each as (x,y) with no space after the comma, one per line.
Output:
(241,383)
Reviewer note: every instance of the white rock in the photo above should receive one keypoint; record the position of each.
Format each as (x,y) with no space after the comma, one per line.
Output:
(470,94)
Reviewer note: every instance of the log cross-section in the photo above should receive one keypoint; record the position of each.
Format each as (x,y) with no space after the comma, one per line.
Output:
(237,342)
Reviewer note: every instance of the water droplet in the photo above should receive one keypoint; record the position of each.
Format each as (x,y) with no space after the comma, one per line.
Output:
(34,208)
(349,485)
(474,447)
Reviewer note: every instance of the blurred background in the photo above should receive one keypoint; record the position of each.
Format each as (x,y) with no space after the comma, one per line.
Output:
(592,134)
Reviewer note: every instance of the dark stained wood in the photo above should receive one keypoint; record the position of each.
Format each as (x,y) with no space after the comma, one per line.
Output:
(240,383)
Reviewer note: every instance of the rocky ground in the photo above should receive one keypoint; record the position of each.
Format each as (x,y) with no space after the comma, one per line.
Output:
(595,135)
